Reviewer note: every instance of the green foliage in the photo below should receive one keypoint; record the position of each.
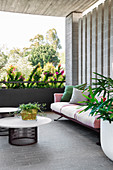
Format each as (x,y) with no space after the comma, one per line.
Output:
(59,76)
(43,54)
(47,79)
(30,106)
(82,86)
(103,106)
(62,57)
(49,67)
(52,39)
(13,75)
(37,41)
(34,76)
(3,59)
(38,78)
(16,59)
(42,50)
(16,52)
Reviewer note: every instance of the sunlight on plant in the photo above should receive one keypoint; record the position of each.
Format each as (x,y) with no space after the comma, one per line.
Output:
(38,78)
(100,102)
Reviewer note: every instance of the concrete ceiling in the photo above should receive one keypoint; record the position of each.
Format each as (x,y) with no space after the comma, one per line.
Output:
(59,8)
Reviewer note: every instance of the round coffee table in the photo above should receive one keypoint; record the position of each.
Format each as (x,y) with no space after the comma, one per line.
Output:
(4,112)
(23,132)
(7,110)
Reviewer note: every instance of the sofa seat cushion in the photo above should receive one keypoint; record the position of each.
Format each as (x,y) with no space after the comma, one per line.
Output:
(57,107)
(70,110)
(87,119)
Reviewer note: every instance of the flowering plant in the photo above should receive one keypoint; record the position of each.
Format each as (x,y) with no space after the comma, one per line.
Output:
(14,75)
(46,78)
(38,78)
(34,76)
(100,101)
(58,76)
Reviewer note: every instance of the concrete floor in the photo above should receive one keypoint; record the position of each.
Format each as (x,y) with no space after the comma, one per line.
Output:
(63,145)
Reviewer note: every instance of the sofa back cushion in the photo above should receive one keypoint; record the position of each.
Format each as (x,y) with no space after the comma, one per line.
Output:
(67,94)
(77,96)
(69,90)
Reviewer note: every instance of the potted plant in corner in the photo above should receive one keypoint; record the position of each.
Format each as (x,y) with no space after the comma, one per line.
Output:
(29,111)
(101,103)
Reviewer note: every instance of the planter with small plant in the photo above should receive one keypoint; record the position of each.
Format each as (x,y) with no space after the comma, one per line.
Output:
(30,111)
(39,86)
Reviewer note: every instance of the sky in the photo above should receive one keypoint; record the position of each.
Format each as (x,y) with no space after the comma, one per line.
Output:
(16,29)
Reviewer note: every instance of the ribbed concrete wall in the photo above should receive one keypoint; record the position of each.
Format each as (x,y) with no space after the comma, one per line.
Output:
(96,49)
(72,48)
(89,47)
(111,41)
(68,40)
(80,51)
(84,58)
(100,39)
(106,39)
(94,42)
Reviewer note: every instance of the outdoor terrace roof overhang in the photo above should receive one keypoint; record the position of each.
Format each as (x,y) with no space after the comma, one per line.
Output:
(58,8)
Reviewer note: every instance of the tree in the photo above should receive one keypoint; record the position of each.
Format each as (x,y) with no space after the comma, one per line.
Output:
(52,39)
(43,54)
(15,58)
(62,58)
(41,50)
(37,41)
(49,67)
(3,59)
(16,52)
(44,50)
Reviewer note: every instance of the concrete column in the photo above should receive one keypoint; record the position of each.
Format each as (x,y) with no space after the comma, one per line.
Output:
(80,52)
(111,42)
(106,39)
(100,39)
(72,48)
(89,48)
(84,59)
(94,42)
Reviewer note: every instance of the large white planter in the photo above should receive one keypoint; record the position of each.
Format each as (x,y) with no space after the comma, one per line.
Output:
(107,138)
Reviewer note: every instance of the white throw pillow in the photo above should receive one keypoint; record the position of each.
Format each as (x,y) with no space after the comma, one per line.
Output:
(77,96)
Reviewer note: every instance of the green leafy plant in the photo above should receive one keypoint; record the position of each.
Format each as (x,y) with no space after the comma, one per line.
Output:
(14,75)
(58,76)
(38,78)
(43,54)
(29,111)
(30,106)
(100,101)
(34,76)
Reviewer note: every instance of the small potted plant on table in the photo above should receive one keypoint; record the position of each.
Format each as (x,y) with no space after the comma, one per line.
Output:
(29,111)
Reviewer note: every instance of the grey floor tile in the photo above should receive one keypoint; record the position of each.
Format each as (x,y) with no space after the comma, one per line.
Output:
(63,145)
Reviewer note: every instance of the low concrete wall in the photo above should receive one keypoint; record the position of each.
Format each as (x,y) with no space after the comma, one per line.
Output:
(14,97)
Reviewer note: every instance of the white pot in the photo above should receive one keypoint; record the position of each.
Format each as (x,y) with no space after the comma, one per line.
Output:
(107,138)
